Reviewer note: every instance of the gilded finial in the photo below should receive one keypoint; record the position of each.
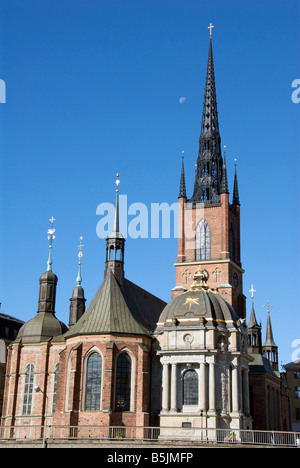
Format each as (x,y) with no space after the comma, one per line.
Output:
(80,254)
(51,237)
(200,278)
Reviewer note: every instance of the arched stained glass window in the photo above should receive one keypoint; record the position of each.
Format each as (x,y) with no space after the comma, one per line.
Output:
(123,383)
(28,389)
(190,387)
(203,241)
(93,382)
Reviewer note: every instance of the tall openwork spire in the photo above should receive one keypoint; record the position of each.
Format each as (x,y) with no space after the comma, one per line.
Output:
(209,164)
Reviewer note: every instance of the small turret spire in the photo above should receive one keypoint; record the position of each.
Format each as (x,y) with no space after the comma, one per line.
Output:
(182,189)
(77,301)
(115,245)
(235,196)
(270,349)
(224,182)
(51,237)
(269,333)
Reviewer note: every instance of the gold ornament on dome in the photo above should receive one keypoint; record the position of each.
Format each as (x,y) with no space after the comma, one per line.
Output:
(200,278)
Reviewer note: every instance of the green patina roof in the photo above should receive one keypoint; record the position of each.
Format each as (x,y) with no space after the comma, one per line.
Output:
(119,309)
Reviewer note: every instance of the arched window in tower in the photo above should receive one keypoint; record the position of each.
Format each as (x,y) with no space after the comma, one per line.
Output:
(123,382)
(203,241)
(93,382)
(111,253)
(190,387)
(231,244)
(55,387)
(28,390)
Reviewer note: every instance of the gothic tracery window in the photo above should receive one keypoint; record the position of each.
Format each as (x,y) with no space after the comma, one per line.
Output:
(93,382)
(123,382)
(203,241)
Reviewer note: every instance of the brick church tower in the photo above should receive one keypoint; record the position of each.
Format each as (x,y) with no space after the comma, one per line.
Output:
(209,225)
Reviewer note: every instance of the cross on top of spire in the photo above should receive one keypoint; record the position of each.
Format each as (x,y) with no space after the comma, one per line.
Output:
(268,305)
(252,290)
(210,28)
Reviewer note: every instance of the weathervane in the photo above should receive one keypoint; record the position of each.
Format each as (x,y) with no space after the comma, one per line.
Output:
(80,247)
(117,182)
(210,27)
(51,237)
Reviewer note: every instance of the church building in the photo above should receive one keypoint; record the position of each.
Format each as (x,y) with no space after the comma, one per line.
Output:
(129,359)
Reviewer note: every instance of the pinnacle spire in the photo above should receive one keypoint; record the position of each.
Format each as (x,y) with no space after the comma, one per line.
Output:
(253,322)
(224,182)
(235,196)
(182,189)
(269,333)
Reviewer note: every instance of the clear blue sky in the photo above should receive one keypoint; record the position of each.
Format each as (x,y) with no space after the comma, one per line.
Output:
(93,87)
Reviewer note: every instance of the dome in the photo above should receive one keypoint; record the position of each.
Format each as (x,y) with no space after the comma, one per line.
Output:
(199,305)
(43,327)
(48,277)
